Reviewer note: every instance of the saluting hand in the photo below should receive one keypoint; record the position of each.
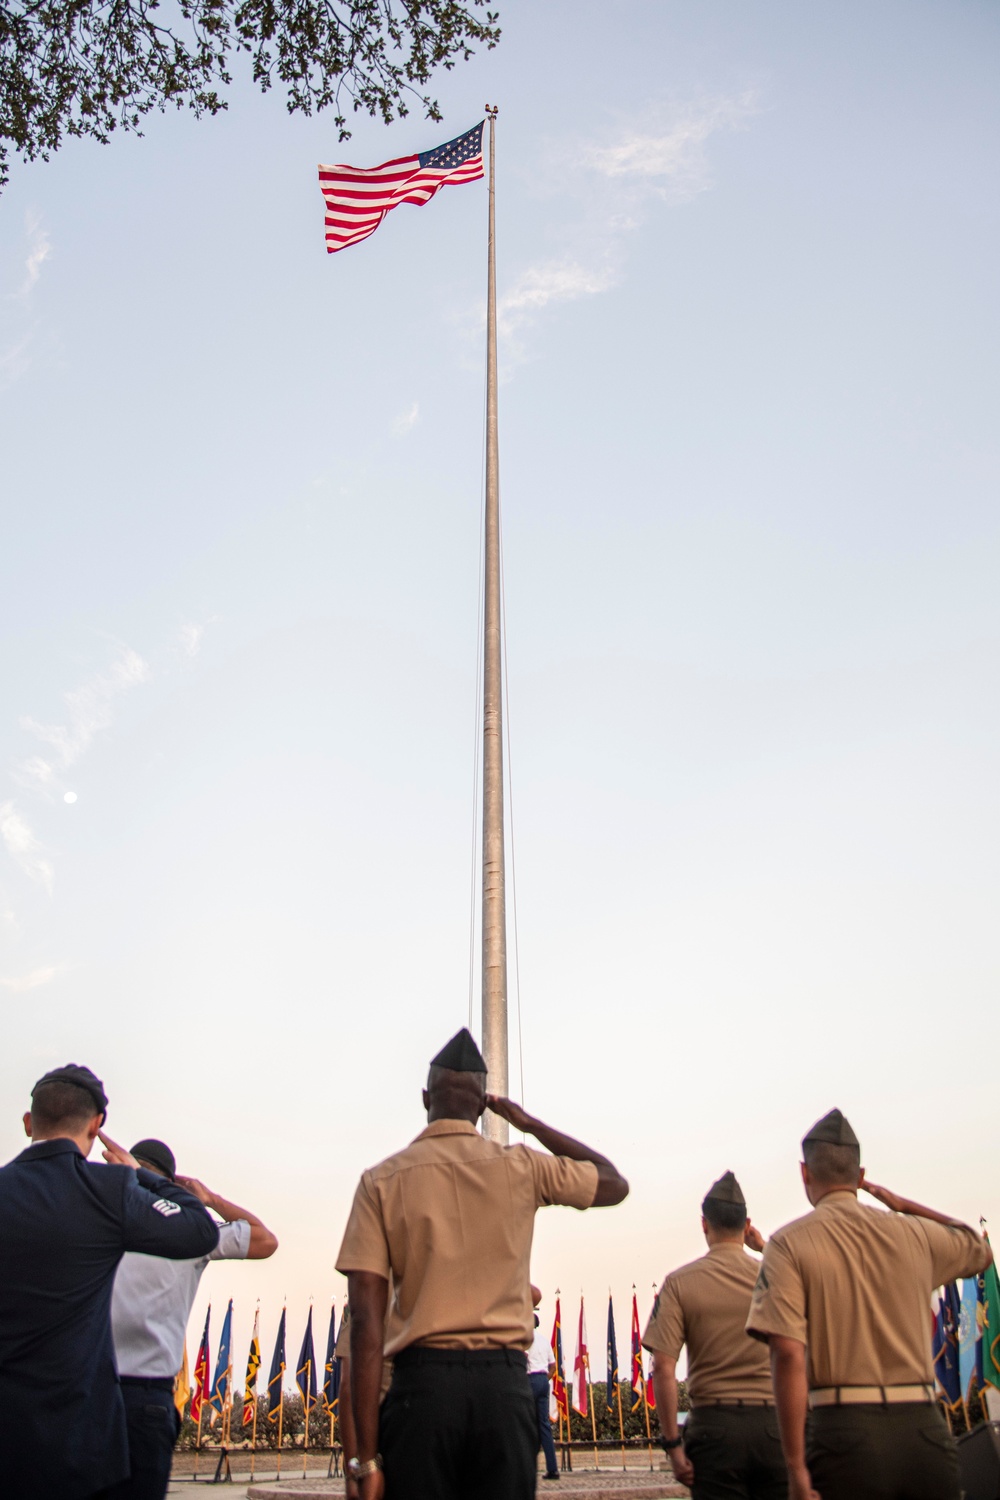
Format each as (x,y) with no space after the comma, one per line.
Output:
(511,1112)
(115,1154)
(752,1238)
(884,1195)
(201,1192)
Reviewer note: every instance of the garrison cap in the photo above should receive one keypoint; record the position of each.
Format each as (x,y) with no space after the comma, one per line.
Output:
(460,1054)
(726,1190)
(835,1129)
(158,1155)
(82,1077)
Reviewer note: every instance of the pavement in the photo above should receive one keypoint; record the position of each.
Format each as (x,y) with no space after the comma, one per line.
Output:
(580,1484)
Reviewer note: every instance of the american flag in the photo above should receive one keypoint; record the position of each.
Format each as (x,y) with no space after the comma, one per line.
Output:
(358,198)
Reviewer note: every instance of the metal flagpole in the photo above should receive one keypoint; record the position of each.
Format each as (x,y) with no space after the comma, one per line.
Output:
(494,927)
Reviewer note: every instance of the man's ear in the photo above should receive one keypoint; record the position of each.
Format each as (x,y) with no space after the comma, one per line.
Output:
(704,1224)
(27,1123)
(861,1178)
(93,1127)
(425,1096)
(805,1173)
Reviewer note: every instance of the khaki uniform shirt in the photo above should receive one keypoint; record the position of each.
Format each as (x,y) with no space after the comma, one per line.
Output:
(705,1305)
(853,1284)
(451,1218)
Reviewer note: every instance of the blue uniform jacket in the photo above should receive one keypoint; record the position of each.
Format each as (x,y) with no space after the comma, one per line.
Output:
(65,1223)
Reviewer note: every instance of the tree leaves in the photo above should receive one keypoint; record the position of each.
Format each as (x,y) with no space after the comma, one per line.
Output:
(89,67)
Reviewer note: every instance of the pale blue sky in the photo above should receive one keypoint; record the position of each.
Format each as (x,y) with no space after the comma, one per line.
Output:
(747,264)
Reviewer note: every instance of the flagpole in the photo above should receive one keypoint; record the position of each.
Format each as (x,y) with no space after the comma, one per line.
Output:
(494,917)
(593,1411)
(305,1444)
(621,1422)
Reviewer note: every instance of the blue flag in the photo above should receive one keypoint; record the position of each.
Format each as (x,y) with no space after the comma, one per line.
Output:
(305,1372)
(331,1369)
(945,1345)
(611,1384)
(224,1363)
(277,1375)
(969,1336)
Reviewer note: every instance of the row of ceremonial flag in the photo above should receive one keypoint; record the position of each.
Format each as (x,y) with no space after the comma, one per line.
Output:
(639,1394)
(214,1397)
(965,1338)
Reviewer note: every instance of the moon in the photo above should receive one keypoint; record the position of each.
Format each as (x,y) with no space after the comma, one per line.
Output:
(69,797)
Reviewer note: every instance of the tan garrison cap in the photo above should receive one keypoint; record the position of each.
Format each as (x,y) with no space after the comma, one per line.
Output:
(726,1190)
(834,1128)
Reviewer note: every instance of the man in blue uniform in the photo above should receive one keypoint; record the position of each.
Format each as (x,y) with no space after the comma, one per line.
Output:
(64,1225)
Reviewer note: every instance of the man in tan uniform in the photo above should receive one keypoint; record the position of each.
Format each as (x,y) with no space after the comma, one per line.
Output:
(730,1449)
(451,1218)
(843,1299)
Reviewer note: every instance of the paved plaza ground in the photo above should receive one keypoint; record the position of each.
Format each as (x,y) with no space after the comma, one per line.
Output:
(608,1483)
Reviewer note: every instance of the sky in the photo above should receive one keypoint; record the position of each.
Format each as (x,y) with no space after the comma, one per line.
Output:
(749,461)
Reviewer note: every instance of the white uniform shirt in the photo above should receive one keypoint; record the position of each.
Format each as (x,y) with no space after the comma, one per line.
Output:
(540,1354)
(152,1301)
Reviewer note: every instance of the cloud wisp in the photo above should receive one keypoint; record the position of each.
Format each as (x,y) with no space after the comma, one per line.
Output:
(659,156)
(89,711)
(24,849)
(17,984)
(406,421)
(18,340)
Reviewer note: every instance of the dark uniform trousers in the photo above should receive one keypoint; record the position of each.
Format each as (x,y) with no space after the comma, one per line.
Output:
(153,1424)
(900,1452)
(736,1454)
(459,1424)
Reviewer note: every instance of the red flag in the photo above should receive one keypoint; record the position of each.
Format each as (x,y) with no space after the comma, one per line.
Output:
(559,1378)
(581,1367)
(638,1382)
(202,1393)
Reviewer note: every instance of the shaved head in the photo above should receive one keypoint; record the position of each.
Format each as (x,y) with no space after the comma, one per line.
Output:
(451,1095)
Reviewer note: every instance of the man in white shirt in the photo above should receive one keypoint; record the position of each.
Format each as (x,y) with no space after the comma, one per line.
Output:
(541,1368)
(150,1307)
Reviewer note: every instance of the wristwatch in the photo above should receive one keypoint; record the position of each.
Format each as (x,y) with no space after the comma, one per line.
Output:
(668,1443)
(359,1470)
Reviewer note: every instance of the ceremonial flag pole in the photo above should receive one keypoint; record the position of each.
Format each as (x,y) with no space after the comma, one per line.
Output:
(637,1372)
(583,1395)
(494,914)
(307,1385)
(250,1387)
(276,1385)
(200,1389)
(331,1383)
(611,1378)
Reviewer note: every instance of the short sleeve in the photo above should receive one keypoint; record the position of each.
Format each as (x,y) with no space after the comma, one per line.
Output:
(234,1241)
(665,1332)
(954,1252)
(364,1246)
(342,1348)
(558,1179)
(778,1305)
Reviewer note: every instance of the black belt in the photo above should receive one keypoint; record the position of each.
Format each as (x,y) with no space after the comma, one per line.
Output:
(417,1354)
(151,1382)
(734,1401)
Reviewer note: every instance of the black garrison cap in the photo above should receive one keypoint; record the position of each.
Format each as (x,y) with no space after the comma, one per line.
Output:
(460,1054)
(82,1077)
(158,1155)
(726,1190)
(834,1128)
